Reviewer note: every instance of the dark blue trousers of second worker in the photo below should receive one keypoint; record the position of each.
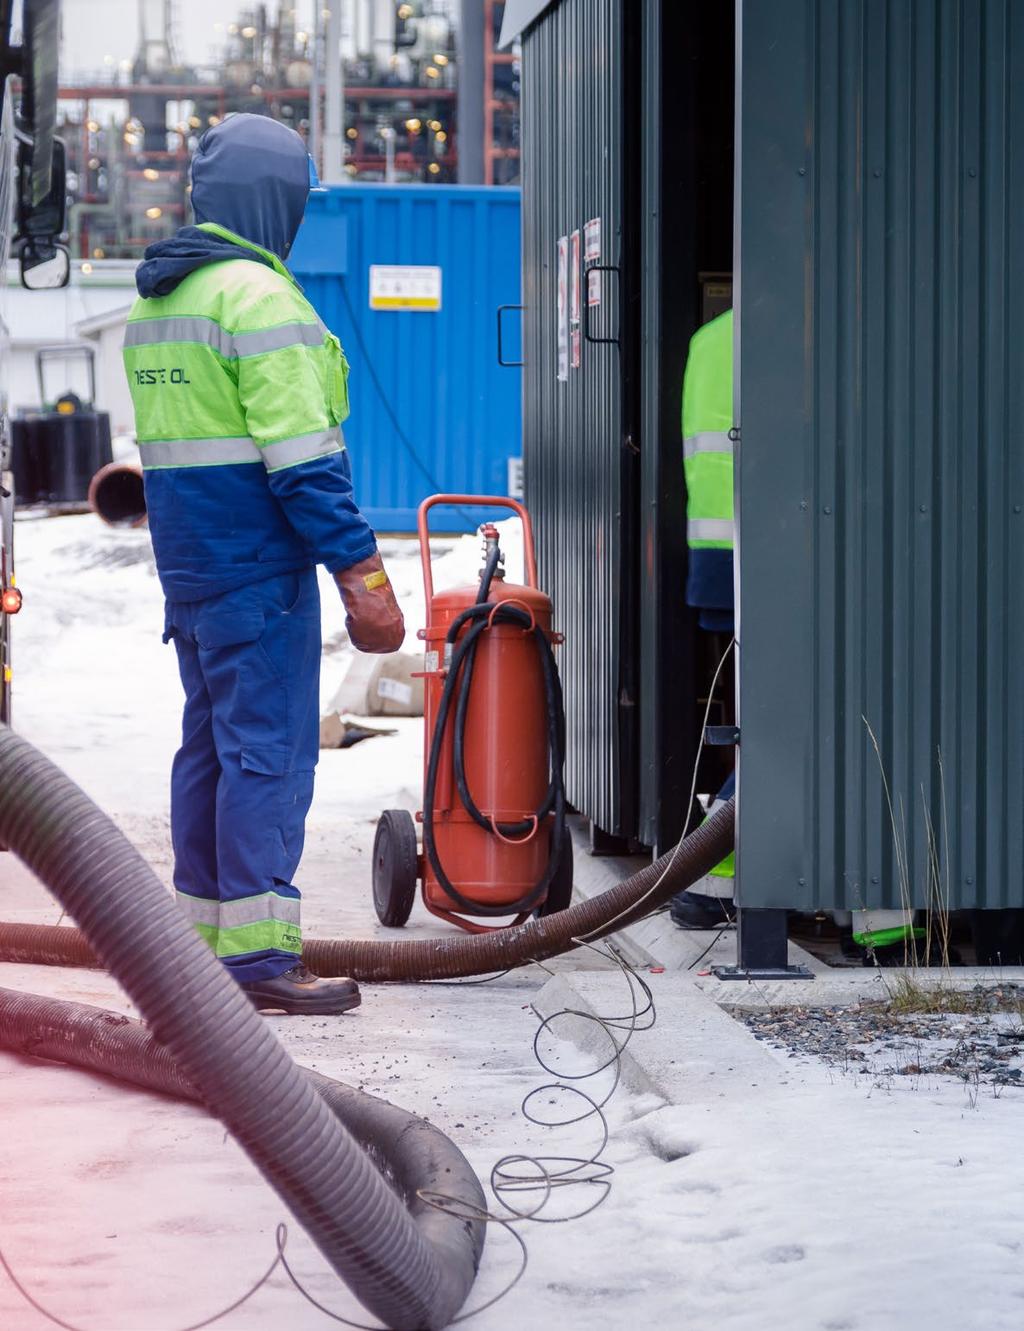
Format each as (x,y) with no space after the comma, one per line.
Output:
(242,780)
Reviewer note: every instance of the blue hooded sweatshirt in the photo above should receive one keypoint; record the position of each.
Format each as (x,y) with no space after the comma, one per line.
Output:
(250,175)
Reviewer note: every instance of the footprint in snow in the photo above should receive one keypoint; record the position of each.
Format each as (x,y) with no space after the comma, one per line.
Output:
(786,1252)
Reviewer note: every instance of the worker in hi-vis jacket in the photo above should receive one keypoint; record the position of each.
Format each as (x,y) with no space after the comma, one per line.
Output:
(239,393)
(708,465)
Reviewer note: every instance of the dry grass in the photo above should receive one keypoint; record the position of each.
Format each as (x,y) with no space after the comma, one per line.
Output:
(937,893)
(906,994)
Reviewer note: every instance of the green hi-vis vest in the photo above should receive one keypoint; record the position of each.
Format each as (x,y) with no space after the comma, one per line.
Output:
(707,448)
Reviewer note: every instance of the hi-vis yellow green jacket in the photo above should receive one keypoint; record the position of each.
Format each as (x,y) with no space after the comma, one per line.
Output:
(239,394)
(708,465)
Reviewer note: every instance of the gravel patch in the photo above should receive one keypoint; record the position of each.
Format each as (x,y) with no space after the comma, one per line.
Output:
(980,1043)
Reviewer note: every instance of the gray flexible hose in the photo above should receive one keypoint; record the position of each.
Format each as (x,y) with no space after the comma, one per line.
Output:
(418,1160)
(223,1047)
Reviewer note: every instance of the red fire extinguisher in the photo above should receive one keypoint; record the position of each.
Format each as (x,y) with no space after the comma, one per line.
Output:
(495,840)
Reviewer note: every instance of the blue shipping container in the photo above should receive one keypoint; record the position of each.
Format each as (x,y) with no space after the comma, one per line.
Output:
(432,410)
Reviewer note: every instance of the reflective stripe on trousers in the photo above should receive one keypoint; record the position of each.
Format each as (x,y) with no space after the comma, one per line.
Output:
(261,923)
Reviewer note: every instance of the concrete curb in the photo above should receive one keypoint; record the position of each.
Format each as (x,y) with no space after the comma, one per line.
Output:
(835,987)
(698,1052)
(655,940)
(695,1052)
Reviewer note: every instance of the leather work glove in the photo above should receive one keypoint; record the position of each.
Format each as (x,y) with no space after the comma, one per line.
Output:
(373,619)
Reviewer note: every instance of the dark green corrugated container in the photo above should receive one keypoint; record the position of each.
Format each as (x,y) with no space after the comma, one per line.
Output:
(879,256)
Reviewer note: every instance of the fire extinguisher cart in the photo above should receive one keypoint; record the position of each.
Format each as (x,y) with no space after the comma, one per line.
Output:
(495,839)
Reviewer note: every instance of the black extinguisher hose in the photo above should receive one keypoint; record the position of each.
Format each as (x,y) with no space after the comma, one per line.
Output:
(481,617)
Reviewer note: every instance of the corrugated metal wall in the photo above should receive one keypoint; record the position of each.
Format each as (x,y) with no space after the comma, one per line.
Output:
(882,460)
(459,411)
(579,454)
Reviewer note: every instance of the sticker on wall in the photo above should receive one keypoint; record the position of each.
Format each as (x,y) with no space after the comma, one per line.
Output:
(574,279)
(592,240)
(593,287)
(563,307)
(574,301)
(405,287)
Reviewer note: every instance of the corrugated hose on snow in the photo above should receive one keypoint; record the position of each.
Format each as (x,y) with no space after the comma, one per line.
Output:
(410,1263)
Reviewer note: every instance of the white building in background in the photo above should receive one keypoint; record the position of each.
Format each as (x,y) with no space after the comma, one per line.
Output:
(91,310)
(105,334)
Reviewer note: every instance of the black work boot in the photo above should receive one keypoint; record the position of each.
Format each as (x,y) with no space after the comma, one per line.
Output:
(694,910)
(298,992)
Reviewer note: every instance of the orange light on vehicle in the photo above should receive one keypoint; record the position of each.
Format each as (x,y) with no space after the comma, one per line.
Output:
(10,601)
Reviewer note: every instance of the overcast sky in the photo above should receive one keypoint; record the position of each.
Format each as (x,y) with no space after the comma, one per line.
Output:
(101,33)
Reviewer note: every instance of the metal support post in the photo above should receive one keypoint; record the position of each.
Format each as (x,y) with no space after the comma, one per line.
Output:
(762,948)
(315,87)
(471,93)
(334,101)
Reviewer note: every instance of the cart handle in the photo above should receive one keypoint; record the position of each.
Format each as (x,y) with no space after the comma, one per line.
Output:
(478,501)
(516,841)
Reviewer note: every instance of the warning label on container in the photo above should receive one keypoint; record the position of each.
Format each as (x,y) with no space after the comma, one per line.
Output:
(592,240)
(574,301)
(563,307)
(574,279)
(396,287)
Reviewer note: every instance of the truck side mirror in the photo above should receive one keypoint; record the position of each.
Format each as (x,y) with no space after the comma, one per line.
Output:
(44,264)
(44,267)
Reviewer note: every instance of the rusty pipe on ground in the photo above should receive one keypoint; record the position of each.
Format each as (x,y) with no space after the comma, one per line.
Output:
(117,495)
(372,959)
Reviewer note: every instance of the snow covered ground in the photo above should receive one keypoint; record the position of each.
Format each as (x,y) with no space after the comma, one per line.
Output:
(765,1192)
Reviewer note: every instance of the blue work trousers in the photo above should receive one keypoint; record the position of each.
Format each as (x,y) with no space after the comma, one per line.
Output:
(242,781)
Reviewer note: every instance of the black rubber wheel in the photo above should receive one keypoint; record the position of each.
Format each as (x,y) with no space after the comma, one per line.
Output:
(395,868)
(559,896)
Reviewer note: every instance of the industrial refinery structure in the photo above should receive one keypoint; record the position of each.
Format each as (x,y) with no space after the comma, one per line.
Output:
(416,92)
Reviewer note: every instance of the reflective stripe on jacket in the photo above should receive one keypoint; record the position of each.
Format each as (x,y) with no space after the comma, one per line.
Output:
(708,464)
(239,393)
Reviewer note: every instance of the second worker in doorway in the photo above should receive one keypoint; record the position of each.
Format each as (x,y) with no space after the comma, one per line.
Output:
(708,464)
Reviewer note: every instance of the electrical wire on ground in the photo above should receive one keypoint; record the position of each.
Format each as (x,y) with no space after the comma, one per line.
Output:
(33,1302)
(722,928)
(519,1173)
(549,1173)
